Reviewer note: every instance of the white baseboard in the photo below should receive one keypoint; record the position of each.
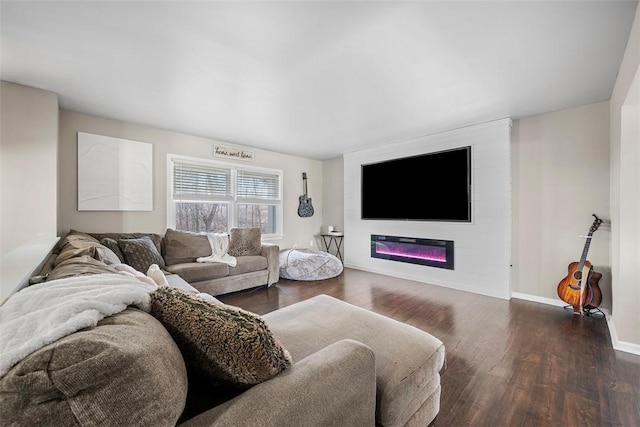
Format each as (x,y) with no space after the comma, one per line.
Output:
(627,347)
(542,300)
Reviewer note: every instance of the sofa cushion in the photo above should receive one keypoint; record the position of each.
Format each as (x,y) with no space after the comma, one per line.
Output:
(140,253)
(125,371)
(245,241)
(76,244)
(225,344)
(176,281)
(199,271)
(184,246)
(246,264)
(79,266)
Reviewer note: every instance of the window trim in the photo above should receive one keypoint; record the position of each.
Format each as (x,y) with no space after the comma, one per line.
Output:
(234,167)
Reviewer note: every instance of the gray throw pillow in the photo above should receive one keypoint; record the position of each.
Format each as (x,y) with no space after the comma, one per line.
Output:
(140,253)
(245,241)
(222,343)
(113,245)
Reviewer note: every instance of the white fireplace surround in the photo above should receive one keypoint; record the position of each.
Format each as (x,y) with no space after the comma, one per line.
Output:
(482,247)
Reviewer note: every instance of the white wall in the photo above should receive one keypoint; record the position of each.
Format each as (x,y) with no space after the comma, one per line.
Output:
(560,163)
(625,197)
(28,178)
(299,231)
(482,248)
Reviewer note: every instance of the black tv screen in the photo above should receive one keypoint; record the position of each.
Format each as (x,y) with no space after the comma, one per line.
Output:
(427,187)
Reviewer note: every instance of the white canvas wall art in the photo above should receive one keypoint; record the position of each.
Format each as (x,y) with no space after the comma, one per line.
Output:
(114,174)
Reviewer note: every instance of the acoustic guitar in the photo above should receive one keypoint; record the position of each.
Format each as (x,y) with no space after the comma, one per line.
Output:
(305,208)
(580,287)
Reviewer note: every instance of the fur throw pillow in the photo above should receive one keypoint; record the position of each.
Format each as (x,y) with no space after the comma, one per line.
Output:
(245,241)
(225,344)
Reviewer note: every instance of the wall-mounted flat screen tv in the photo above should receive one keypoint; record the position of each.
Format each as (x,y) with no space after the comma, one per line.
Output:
(427,187)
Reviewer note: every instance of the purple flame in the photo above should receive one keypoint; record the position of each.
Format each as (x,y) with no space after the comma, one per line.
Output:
(425,252)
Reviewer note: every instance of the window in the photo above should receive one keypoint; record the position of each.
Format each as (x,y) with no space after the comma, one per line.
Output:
(210,196)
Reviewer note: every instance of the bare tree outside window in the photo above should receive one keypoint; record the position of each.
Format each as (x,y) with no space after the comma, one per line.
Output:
(202,217)
(262,216)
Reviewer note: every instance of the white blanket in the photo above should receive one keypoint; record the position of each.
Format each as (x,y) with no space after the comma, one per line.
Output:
(41,314)
(219,246)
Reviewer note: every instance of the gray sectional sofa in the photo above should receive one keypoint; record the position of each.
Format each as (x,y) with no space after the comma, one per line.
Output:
(319,362)
(176,252)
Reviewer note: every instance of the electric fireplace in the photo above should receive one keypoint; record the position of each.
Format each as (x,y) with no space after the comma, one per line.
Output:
(429,252)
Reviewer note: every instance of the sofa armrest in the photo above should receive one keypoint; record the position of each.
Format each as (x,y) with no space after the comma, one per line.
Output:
(334,386)
(271,251)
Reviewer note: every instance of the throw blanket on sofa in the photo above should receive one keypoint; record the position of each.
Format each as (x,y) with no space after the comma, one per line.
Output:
(219,246)
(41,314)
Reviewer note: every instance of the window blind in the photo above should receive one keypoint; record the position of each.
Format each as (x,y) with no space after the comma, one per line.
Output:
(258,186)
(200,182)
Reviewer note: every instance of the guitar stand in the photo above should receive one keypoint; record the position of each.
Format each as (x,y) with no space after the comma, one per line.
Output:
(595,313)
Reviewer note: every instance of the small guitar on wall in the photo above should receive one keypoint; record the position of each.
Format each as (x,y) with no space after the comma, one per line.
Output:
(580,287)
(305,208)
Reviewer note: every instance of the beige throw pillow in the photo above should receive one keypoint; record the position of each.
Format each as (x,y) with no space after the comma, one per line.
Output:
(225,344)
(79,266)
(184,246)
(76,244)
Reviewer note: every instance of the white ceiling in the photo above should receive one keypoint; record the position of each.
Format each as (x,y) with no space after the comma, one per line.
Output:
(315,79)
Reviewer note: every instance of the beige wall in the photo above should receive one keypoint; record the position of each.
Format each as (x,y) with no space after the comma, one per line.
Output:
(28,177)
(560,169)
(298,231)
(625,197)
(333,193)
(28,153)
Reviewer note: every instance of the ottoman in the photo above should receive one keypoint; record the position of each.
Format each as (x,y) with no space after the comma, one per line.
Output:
(307,264)
(407,360)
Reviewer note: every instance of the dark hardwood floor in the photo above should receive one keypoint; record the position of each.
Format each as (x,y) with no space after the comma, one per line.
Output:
(509,363)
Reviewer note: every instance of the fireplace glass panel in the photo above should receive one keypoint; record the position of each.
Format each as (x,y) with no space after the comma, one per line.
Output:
(429,252)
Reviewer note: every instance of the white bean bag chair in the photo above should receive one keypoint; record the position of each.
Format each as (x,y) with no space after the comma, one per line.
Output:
(305,264)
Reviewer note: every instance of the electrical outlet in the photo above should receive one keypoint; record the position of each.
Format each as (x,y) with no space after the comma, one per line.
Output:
(311,243)
(295,246)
